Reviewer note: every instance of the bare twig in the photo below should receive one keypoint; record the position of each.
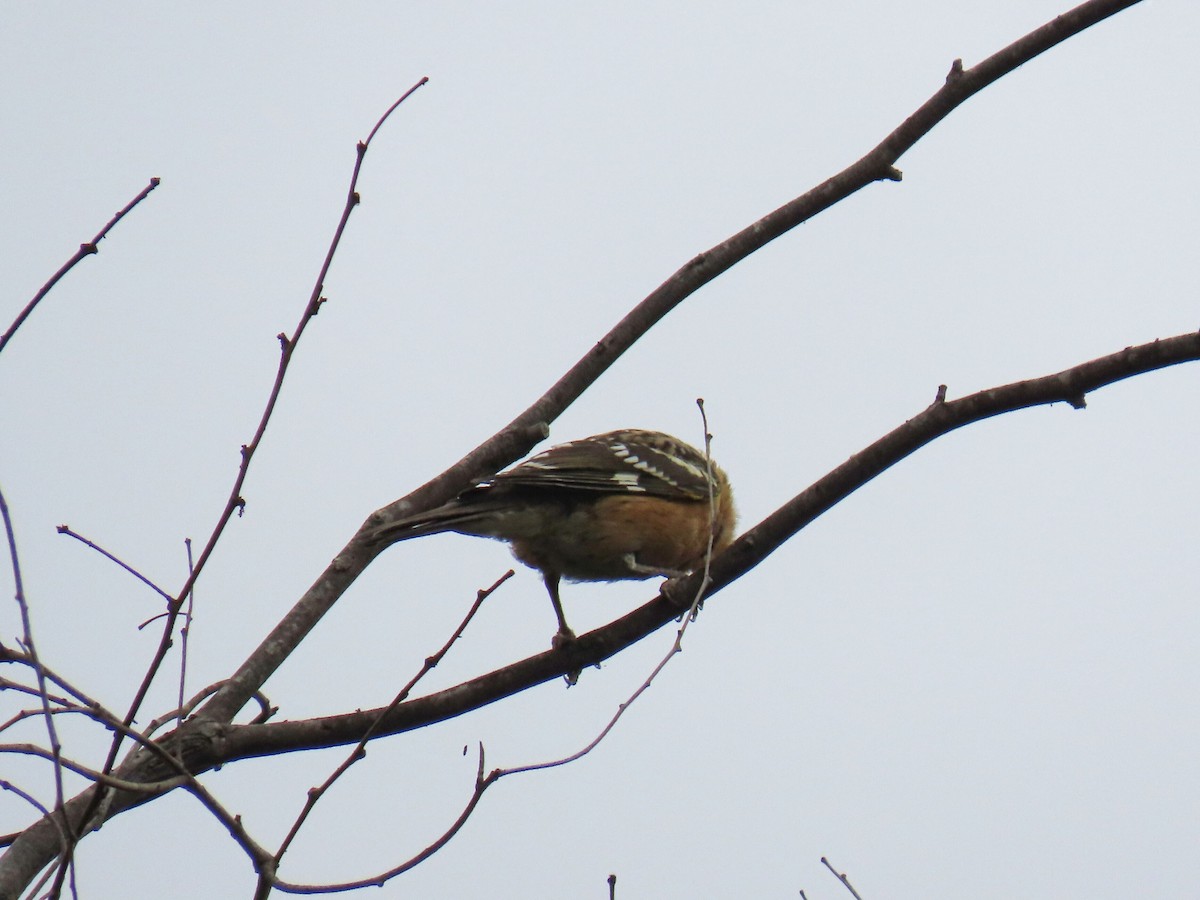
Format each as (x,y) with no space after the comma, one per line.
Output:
(265,709)
(841,876)
(698,600)
(69,532)
(258,854)
(157,787)
(221,708)
(235,501)
(185,629)
(359,751)
(85,701)
(62,706)
(481,785)
(7,839)
(39,671)
(85,250)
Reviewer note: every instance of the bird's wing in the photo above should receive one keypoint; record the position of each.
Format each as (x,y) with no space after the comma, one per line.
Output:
(635,462)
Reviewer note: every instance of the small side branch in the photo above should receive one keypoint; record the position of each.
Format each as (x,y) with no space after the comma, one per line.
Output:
(55,752)
(85,250)
(841,876)
(235,502)
(360,749)
(482,783)
(69,532)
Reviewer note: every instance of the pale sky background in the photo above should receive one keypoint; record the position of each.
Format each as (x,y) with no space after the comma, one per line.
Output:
(975,678)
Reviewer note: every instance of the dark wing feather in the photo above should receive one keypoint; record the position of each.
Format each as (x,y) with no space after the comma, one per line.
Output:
(637,462)
(620,462)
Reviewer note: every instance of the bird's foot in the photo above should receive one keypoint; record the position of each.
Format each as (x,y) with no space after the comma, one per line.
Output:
(564,637)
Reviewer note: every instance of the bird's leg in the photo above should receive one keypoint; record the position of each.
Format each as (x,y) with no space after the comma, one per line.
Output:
(565,634)
(636,567)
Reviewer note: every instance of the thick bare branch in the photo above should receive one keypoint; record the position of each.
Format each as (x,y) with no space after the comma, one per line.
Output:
(943,416)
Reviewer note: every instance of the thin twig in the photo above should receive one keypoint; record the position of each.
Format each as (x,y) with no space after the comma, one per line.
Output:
(69,532)
(58,710)
(265,709)
(235,501)
(6,785)
(185,631)
(698,600)
(60,798)
(359,751)
(841,876)
(7,684)
(481,785)
(85,701)
(138,787)
(46,815)
(90,248)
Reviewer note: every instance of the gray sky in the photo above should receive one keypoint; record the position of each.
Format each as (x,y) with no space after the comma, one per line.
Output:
(974,678)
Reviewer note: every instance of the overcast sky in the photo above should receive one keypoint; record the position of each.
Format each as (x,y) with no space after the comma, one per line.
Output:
(974,678)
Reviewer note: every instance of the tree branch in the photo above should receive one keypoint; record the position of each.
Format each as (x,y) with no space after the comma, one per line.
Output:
(209,738)
(939,418)
(205,744)
(518,437)
(91,248)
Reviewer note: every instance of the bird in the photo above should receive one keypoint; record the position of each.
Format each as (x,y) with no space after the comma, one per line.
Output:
(628,504)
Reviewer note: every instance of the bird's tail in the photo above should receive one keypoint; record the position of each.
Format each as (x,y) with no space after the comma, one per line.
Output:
(463,518)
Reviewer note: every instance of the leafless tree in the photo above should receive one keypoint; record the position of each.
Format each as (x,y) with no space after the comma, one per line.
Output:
(144,763)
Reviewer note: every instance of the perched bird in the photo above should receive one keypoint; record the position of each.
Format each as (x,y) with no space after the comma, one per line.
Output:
(622,505)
